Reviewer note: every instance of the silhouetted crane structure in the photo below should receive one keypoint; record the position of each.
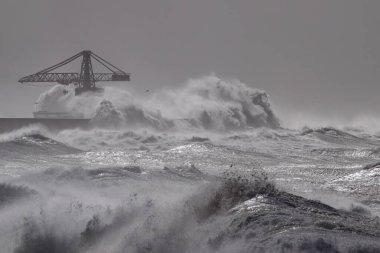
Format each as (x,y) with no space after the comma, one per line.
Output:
(84,80)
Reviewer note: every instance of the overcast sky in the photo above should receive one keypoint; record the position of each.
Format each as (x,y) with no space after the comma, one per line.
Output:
(318,57)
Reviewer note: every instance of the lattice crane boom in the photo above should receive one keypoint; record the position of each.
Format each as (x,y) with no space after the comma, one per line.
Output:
(85,79)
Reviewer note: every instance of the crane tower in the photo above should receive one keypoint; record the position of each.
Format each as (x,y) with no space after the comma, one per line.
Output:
(85,79)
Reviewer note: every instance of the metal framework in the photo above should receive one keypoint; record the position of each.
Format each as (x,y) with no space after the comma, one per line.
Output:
(86,79)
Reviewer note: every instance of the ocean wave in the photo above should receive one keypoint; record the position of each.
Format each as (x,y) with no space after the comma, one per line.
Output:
(336,136)
(236,213)
(10,193)
(207,103)
(35,129)
(32,140)
(364,182)
(100,138)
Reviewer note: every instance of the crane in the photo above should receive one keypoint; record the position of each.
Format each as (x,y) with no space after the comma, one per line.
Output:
(85,79)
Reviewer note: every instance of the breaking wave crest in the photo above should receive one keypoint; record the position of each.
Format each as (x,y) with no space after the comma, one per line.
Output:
(26,142)
(208,103)
(236,213)
(35,129)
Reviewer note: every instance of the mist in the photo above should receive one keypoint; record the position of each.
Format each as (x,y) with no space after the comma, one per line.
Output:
(208,102)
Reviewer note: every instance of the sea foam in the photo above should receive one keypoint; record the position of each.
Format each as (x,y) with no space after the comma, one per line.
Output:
(208,103)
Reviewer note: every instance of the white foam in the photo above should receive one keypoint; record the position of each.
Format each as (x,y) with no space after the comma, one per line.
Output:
(208,102)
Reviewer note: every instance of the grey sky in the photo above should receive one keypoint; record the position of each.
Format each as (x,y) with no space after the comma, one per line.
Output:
(319,57)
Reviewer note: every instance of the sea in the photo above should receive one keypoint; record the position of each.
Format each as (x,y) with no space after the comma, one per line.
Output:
(208,167)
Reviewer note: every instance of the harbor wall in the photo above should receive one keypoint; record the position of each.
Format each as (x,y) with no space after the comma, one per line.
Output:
(9,124)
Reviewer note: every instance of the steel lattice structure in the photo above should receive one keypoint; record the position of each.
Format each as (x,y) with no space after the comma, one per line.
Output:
(86,79)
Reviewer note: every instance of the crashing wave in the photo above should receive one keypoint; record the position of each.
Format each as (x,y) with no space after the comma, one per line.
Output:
(236,213)
(106,114)
(213,103)
(208,103)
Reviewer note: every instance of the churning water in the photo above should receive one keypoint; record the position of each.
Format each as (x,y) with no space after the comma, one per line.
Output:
(206,168)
